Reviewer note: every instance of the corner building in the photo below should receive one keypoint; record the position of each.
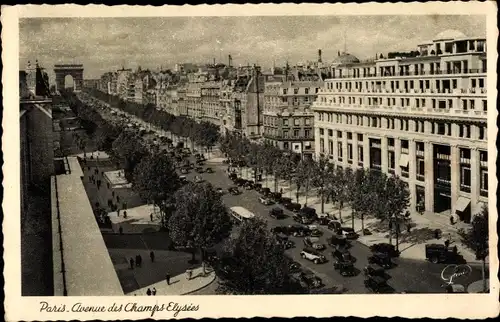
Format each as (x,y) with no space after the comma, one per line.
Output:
(420,115)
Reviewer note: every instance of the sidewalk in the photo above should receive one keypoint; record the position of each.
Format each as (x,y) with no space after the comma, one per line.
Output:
(411,245)
(179,285)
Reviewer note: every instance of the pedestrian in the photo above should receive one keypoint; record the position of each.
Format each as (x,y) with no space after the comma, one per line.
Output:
(125,214)
(153,291)
(118,212)
(148,292)
(452,221)
(152,256)
(131,263)
(120,230)
(137,263)
(281,190)
(167,277)
(139,258)
(447,243)
(408,228)
(151,217)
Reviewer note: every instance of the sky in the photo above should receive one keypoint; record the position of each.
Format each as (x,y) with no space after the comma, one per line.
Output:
(106,44)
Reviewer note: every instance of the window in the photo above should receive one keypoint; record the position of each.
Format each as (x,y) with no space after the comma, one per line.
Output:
(339,151)
(464,105)
(420,169)
(330,132)
(473,82)
(465,177)
(285,122)
(391,159)
(360,153)
(308,121)
(481,82)
(349,151)
(390,142)
(295,91)
(471,104)
(339,134)
(307,133)
(283,99)
(321,132)
(307,91)
(296,121)
(285,133)
(485,106)
(285,145)
(441,129)
(349,135)
(360,137)
(482,133)
(296,132)
(330,147)
(285,91)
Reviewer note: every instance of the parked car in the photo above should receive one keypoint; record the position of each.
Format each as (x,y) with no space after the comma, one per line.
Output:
(385,248)
(198,179)
(277,213)
(323,218)
(308,212)
(209,170)
(346,269)
(338,241)
(295,207)
(183,179)
(309,281)
(313,255)
(184,171)
(220,191)
(248,185)
(233,176)
(200,162)
(381,259)
(281,230)
(257,187)
(298,230)
(439,253)
(285,200)
(265,191)
(265,201)
(334,225)
(199,170)
(234,191)
(240,182)
(314,243)
(377,284)
(349,233)
(276,196)
(341,255)
(302,220)
(283,240)
(294,267)
(374,270)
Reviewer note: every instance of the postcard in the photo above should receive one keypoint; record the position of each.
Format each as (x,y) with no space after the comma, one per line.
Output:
(272,160)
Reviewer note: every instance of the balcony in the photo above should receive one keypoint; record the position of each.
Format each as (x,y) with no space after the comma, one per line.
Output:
(420,153)
(419,73)
(483,192)
(405,174)
(420,177)
(464,161)
(404,150)
(484,164)
(443,182)
(442,156)
(360,163)
(392,171)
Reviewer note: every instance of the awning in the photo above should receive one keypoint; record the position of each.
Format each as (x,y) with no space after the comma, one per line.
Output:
(462,203)
(403,160)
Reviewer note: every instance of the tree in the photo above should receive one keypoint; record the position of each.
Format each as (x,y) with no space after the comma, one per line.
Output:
(393,202)
(340,188)
(252,262)
(156,181)
(322,173)
(129,149)
(200,220)
(477,238)
(303,176)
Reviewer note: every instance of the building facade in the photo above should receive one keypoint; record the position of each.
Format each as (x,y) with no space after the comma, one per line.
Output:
(288,118)
(420,115)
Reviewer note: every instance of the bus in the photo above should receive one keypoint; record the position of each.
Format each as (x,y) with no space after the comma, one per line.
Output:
(241,214)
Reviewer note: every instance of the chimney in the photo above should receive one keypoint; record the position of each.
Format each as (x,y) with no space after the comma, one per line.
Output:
(319,56)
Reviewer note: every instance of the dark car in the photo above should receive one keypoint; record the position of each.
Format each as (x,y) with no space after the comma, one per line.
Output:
(200,162)
(285,200)
(295,207)
(281,230)
(282,239)
(346,269)
(381,259)
(257,187)
(240,182)
(276,196)
(349,233)
(309,281)
(341,256)
(199,170)
(209,170)
(249,185)
(265,191)
(294,267)
(234,191)
(308,212)
(334,225)
(276,213)
(338,241)
(385,248)
(298,231)
(377,284)
(438,253)
(302,220)
(233,176)
(374,270)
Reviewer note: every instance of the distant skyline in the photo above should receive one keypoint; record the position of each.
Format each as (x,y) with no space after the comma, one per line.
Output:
(107,44)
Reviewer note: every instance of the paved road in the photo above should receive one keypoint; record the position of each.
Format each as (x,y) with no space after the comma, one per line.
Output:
(408,275)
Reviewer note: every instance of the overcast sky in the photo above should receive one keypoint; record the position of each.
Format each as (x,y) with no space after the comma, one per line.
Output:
(105,44)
